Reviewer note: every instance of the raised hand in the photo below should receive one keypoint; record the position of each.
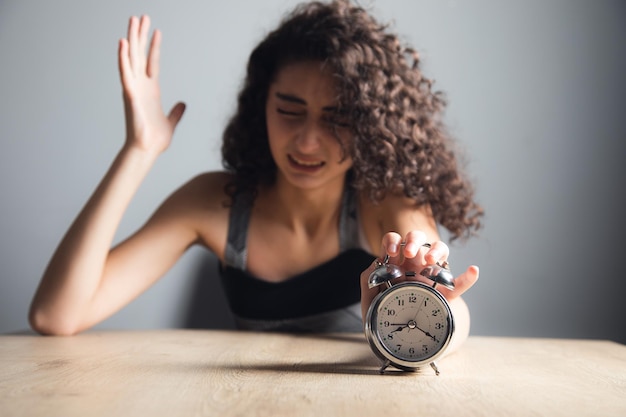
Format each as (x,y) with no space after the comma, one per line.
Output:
(147,126)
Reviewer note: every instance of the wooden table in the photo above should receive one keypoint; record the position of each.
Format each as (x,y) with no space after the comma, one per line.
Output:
(223,373)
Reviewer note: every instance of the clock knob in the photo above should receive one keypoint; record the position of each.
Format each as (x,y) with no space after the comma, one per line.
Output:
(439,275)
(384,273)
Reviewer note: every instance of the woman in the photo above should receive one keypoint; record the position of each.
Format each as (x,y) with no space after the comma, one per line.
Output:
(335,155)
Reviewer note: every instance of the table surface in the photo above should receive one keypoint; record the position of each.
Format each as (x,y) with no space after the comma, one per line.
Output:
(229,373)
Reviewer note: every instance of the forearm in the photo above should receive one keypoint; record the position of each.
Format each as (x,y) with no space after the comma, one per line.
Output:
(76,268)
(461,315)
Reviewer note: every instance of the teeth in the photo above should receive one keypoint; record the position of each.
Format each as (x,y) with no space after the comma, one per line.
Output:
(305,163)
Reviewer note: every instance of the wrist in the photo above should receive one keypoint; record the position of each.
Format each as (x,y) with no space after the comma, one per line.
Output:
(134,163)
(139,154)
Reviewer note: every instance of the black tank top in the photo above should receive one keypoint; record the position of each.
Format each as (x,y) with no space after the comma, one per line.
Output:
(315,300)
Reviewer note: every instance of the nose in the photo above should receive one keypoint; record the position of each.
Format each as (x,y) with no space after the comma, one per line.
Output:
(309,138)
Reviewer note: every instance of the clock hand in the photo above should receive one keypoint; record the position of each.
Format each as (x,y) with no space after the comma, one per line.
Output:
(427,334)
(418,311)
(399,329)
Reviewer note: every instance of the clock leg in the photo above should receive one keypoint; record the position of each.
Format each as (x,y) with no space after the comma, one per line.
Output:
(384,366)
(434,366)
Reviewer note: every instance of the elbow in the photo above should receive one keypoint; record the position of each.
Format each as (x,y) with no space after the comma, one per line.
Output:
(46,324)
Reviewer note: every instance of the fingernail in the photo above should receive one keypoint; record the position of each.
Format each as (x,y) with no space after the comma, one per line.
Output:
(411,247)
(393,248)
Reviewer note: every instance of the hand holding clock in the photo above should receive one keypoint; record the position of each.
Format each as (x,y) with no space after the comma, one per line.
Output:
(411,254)
(429,309)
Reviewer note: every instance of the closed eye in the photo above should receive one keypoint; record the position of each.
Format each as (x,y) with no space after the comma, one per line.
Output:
(288,113)
(337,122)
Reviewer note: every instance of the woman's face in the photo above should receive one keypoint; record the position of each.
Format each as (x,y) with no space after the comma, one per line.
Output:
(304,128)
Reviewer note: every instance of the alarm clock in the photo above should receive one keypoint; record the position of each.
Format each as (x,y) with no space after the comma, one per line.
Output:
(409,324)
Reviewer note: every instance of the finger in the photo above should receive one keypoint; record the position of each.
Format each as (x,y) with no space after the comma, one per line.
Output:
(176,114)
(154,55)
(391,244)
(438,252)
(123,62)
(413,241)
(133,29)
(144,29)
(462,283)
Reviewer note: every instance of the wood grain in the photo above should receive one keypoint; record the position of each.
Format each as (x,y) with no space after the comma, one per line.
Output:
(196,373)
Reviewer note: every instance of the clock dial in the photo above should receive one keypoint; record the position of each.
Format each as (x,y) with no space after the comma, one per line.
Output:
(412,322)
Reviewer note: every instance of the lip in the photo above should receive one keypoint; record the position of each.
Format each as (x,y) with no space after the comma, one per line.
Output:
(303,164)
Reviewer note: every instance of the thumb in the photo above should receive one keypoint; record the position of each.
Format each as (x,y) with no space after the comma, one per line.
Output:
(462,283)
(176,114)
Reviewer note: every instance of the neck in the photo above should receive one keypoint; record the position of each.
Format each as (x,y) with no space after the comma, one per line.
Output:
(309,210)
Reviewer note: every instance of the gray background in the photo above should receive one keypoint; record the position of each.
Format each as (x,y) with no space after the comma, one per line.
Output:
(536,91)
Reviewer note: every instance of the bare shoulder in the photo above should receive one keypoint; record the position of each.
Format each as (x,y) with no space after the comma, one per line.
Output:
(395,214)
(203,205)
(207,189)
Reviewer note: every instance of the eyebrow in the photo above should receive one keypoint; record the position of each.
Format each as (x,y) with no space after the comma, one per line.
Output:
(293,99)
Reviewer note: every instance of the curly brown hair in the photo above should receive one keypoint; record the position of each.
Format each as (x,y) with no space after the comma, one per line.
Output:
(400,147)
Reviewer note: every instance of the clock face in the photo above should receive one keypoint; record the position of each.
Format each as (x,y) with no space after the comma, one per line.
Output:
(411,322)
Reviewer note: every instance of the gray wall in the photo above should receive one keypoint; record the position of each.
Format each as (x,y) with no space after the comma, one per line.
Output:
(536,91)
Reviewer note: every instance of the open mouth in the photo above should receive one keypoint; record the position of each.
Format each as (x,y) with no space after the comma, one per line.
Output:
(299,163)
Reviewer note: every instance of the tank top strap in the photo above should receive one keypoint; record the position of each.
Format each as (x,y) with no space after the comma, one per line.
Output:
(349,221)
(236,253)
